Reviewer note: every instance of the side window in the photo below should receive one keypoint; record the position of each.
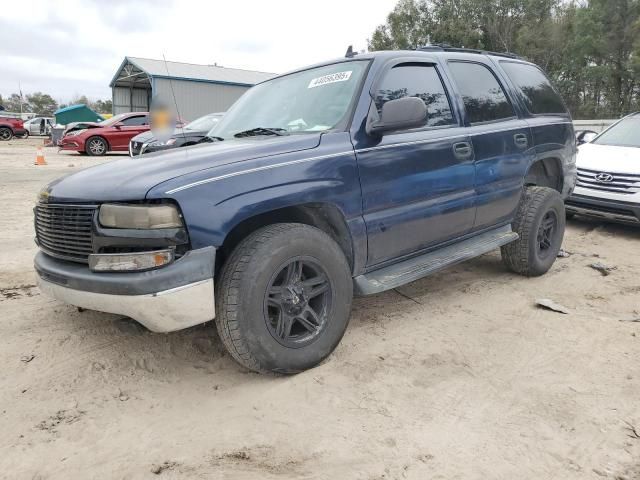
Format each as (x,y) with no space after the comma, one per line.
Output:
(484,99)
(135,121)
(416,80)
(539,96)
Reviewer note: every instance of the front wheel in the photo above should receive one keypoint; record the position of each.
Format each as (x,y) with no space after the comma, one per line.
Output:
(96,146)
(540,222)
(284,298)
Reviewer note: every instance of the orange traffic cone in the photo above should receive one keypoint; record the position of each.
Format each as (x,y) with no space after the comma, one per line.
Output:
(40,157)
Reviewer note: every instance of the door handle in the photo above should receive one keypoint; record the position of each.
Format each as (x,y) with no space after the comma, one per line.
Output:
(462,150)
(521,141)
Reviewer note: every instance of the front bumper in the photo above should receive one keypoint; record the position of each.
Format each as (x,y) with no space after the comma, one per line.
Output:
(605,209)
(169,298)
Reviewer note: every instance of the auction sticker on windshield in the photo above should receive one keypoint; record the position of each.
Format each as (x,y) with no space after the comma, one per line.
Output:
(332,78)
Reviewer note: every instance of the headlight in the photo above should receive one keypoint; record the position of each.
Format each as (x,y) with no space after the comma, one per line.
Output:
(166,143)
(74,133)
(139,216)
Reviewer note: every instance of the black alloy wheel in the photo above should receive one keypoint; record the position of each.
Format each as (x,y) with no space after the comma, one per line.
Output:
(546,233)
(297,302)
(5,134)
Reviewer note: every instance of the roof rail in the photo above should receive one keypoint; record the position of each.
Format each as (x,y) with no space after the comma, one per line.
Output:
(443,47)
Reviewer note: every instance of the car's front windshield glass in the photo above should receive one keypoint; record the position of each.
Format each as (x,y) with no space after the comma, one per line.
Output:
(626,133)
(203,123)
(313,100)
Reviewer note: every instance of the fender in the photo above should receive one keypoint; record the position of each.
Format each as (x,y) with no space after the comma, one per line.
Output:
(326,174)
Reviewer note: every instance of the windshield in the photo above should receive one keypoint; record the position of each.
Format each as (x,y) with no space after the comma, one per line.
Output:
(625,133)
(113,120)
(205,123)
(313,100)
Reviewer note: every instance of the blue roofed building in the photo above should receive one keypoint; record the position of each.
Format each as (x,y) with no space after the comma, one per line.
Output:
(198,89)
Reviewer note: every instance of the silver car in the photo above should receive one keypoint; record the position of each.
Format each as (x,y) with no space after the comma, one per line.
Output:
(39,125)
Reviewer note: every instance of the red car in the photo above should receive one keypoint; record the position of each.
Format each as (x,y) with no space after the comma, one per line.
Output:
(10,126)
(112,135)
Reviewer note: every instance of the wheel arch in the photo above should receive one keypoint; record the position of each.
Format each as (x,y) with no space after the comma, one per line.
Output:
(545,172)
(324,216)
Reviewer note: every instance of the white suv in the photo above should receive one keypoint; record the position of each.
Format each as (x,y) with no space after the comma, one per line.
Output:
(608,183)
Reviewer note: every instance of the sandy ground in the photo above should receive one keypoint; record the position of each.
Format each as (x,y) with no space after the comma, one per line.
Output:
(458,376)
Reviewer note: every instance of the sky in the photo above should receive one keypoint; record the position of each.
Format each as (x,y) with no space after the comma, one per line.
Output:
(74,47)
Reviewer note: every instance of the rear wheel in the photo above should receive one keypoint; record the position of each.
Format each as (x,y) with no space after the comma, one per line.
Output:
(96,146)
(284,298)
(6,134)
(540,222)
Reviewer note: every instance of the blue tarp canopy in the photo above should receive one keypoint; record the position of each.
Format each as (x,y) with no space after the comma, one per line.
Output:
(76,113)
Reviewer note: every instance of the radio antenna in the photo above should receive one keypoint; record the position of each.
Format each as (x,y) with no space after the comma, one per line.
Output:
(173,94)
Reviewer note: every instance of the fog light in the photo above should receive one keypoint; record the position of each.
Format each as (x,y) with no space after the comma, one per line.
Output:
(126,262)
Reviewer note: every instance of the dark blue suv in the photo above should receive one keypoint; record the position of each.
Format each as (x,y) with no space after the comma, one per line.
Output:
(348,177)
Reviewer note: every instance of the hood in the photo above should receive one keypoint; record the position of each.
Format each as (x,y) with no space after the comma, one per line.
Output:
(143,137)
(80,126)
(146,137)
(131,178)
(608,158)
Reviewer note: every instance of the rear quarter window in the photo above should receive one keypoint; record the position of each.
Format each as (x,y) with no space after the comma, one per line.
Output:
(539,95)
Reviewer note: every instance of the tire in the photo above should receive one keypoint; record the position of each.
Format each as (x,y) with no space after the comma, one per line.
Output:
(6,134)
(540,222)
(96,146)
(275,332)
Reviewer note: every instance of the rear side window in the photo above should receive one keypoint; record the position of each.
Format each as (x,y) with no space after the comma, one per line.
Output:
(417,80)
(484,99)
(539,95)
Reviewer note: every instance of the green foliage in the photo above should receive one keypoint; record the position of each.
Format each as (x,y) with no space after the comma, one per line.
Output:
(103,106)
(12,103)
(591,49)
(41,104)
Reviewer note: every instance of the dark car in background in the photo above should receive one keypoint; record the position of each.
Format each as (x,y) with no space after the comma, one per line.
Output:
(190,134)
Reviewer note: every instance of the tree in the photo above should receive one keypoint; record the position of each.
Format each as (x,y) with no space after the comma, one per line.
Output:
(80,99)
(12,104)
(102,106)
(591,49)
(42,104)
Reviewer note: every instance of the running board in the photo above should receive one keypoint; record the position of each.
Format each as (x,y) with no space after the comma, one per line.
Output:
(417,267)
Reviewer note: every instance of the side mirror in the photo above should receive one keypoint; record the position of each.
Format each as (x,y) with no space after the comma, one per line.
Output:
(118,126)
(399,114)
(587,137)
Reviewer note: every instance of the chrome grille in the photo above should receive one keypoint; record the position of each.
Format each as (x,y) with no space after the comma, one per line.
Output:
(624,183)
(64,231)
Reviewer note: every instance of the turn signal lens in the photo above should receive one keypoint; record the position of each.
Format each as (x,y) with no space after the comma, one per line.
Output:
(142,217)
(127,262)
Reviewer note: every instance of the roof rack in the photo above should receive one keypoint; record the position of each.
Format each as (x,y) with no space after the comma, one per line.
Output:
(443,47)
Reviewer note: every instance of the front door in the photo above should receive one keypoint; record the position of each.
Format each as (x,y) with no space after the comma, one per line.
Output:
(126,130)
(418,184)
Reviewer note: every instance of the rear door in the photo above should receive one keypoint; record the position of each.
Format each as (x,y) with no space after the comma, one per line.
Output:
(417,184)
(501,141)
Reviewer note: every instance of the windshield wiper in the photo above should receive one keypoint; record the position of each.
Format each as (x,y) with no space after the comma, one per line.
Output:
(210,139)
(253,132)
